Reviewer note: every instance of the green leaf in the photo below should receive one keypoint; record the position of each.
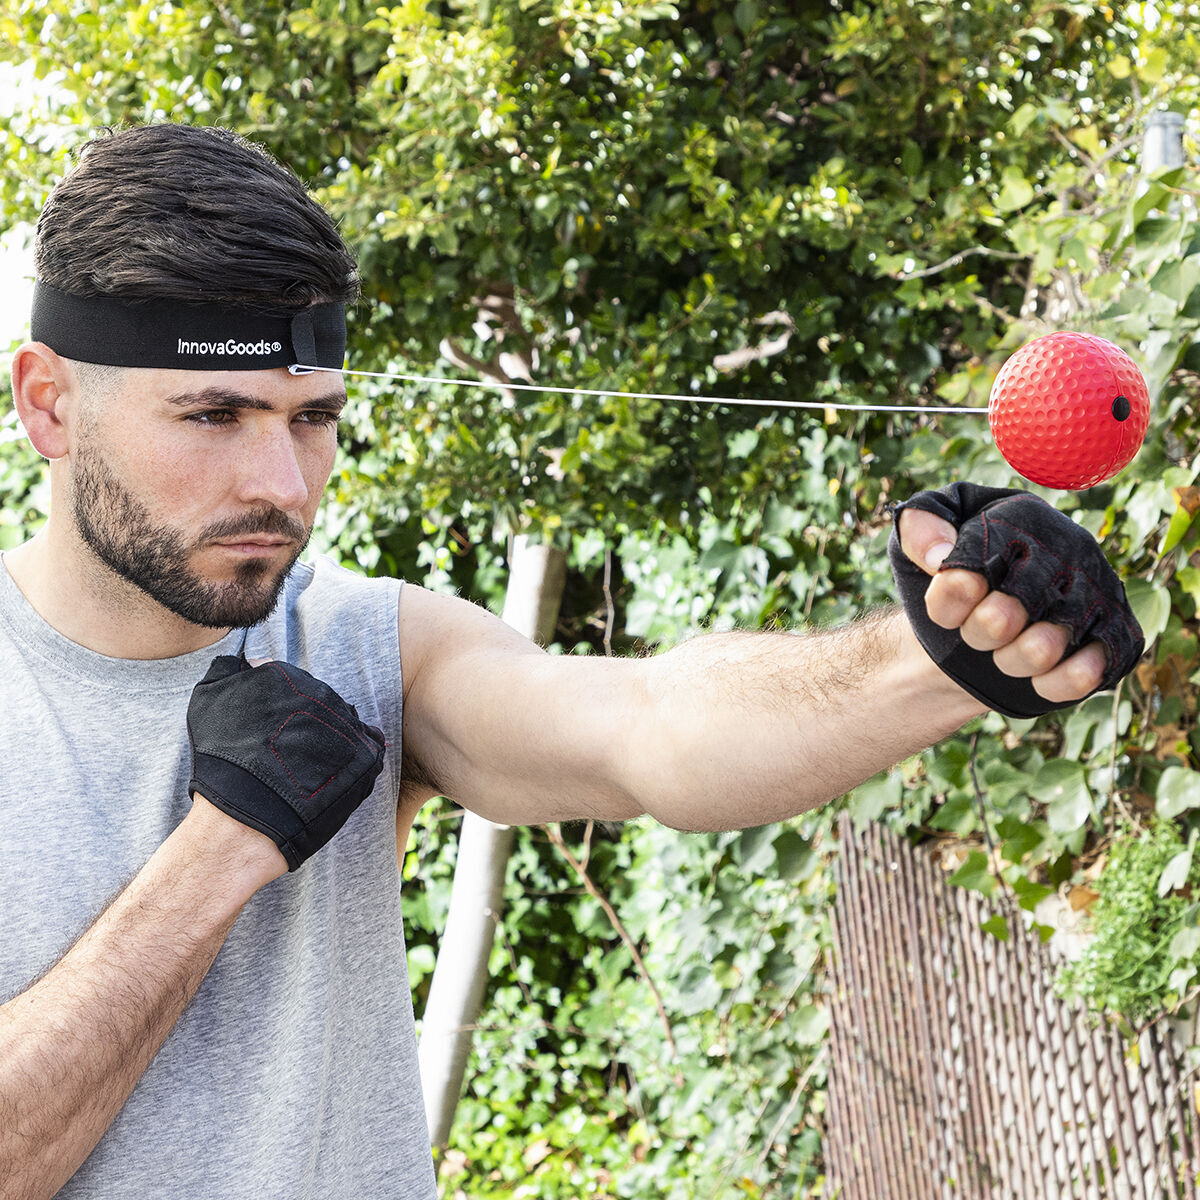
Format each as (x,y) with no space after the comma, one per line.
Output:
(1178,279)
(1175,873)
(1185,943)
(1021,838)
(870,800)
(1015,190)
(1181,521)
(795,857)
(1151,70)
(958,815)
(1062,787)
(212,83)
(1188,579)
(1059,111)
(809,1024)
(1179,979)
(698,990)
(1030,894)
(1079,723)
(1145,508)
(1178,791)
(421,962)
(1021,120)
(754,850)
(974,874)
(1088,140)
(746,13)
(997,926)
(1151,606)
(726,975)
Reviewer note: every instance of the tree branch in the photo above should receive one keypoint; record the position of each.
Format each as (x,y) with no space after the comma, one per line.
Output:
(735,360)
(465,361)
(555,835)
(955,259)
(497,317)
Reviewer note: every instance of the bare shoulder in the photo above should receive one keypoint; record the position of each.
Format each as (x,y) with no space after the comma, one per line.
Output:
(441,634)
(456,658)
(502,727)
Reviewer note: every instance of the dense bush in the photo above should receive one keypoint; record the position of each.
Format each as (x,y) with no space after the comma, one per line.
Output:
(867,203)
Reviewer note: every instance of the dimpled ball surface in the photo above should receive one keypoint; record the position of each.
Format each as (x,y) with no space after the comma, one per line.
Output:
(1056,410)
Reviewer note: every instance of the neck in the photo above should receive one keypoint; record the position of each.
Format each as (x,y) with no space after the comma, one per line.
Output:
(84,600)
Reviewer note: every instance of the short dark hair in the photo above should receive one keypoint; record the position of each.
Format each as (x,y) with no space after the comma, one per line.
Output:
(190,213)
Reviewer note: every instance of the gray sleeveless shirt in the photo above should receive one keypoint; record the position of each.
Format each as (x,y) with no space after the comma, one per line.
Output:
(293,1072)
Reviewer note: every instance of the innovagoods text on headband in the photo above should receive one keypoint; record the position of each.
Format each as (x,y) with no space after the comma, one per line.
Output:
(190,337)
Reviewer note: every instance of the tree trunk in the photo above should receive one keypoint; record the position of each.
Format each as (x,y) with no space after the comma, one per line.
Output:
(537,574)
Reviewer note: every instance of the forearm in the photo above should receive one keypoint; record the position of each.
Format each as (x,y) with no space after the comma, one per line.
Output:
(757,727)
(75,1043)
(723,731)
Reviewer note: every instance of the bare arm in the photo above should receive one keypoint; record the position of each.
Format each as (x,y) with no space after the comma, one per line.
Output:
(74,1044)
(724,731)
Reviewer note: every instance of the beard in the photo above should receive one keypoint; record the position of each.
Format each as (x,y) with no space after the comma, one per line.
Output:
(155,557)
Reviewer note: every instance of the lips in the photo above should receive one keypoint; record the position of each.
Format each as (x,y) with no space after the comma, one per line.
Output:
(255,545)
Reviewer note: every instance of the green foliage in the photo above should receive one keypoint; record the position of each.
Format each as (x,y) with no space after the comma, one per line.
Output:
(1112,252)
(1146,952)
(868,203)
(696,1069)
(23,499)
(638,197)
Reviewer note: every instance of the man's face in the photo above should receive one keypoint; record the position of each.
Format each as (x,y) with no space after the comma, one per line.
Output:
(200,488)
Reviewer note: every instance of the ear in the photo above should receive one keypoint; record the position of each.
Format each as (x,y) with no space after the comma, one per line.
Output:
(44,389)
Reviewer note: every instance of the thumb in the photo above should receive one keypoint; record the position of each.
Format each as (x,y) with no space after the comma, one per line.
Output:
(925,538)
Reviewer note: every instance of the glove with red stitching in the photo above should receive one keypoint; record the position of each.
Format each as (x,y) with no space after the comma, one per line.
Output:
(280,751)
(1025,548)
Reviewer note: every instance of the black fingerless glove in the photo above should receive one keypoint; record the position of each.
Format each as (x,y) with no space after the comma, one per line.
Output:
(1025,548)
(281,752)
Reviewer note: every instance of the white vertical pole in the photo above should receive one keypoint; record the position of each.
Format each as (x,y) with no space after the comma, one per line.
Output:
(1162,141)
(537,574)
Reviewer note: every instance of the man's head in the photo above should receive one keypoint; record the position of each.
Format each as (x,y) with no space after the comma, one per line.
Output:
(191,214)
(199,486)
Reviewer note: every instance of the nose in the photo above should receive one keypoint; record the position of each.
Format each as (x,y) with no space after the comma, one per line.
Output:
(272,472)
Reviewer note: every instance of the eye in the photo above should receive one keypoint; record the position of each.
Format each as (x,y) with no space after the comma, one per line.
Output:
(212,416)
(320,417)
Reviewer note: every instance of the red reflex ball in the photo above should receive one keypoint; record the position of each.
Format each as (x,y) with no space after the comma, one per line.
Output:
(1069,410)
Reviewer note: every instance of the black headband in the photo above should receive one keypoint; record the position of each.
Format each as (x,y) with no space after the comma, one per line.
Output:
(190,337)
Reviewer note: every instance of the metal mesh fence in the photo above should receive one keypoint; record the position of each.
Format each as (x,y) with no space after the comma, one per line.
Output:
(957,1072)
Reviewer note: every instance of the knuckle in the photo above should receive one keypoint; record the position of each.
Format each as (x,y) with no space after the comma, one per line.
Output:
(1078,677)
(1041,660)
(1007,626)
(946,601)
(1002,617)
(971,587)
(988,624)
(1043,649)
(980,632)
(1086,672)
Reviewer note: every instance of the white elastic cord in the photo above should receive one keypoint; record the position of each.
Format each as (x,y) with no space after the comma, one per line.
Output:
(575,391)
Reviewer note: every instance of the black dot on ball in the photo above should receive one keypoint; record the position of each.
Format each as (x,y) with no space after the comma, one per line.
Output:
(1121,408)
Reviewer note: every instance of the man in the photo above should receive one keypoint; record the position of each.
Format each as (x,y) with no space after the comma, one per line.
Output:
(198,999)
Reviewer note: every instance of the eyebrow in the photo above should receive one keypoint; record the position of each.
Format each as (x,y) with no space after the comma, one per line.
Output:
(218,397)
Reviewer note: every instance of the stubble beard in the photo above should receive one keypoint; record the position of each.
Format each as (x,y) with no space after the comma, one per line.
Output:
(155,557)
